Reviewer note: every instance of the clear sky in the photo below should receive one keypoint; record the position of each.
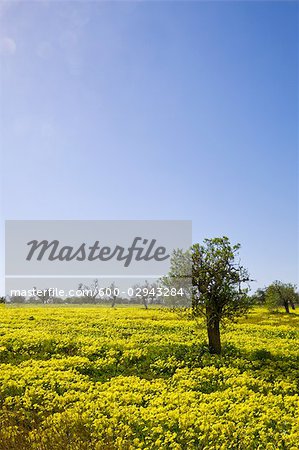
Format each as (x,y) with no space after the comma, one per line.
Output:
(156,110)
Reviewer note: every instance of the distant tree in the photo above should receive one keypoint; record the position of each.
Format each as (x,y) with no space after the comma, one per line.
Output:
(2,300)
(281,294)
(179,279)
(75,300)
(113,295)
(146,292)
(42,295)
(34,300)
(17,299)
(259,297)
(58,300)
(91,292)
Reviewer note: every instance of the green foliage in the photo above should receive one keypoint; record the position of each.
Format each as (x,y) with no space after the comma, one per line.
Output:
(281,294)
(218,280)
(217,287)
(180,278)
(259,297)
(17,299)
(146,293)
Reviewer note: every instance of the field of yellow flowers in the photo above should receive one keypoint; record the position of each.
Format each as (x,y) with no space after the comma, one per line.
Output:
(93,378)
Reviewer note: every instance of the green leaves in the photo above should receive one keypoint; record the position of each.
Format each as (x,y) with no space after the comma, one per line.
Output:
(219,290)
(218,279)
(281,294)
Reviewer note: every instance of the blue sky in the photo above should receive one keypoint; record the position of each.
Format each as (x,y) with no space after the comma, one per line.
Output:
(156,110)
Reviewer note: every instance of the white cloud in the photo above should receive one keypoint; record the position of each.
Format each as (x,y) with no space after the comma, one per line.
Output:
(7,46)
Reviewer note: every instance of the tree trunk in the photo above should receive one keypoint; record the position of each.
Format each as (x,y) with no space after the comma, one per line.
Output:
(286,305)
(292,304)
(214,336)
(145,303)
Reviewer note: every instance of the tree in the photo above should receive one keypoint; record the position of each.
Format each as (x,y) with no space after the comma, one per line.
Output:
(145,292)
(179,279)
(42,295)
(17,299)
(218,291)
(113,294)
(281,294)
(218,285)
(91,292)
(259,297)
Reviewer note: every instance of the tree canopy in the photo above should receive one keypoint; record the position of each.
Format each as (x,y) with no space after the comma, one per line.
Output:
(219,288)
